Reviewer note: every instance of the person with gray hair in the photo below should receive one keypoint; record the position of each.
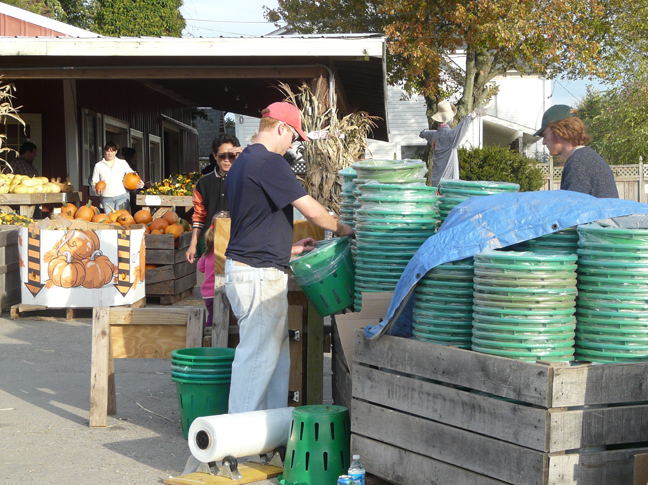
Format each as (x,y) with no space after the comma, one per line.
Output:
(445,140)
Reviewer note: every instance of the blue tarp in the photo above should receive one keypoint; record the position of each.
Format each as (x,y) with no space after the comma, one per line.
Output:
(493,222)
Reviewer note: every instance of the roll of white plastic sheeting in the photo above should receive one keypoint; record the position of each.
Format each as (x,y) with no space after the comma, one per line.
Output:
(212,438)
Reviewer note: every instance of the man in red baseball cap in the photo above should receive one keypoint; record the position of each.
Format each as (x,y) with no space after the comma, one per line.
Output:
(262,191)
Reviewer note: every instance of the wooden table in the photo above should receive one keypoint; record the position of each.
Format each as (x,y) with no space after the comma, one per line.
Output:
(28,202)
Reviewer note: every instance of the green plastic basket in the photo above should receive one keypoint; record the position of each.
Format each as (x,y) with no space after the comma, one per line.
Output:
(197,399)
(318,446)
(326,275)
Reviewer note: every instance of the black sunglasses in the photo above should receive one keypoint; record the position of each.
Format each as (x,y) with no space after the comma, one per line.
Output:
(223,156)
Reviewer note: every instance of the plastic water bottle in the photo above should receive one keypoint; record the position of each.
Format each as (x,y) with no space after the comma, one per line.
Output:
(357,471)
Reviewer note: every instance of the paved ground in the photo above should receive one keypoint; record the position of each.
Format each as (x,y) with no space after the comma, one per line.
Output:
(44,411)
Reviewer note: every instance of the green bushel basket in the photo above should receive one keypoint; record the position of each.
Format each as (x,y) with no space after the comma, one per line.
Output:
(197,399)
(318,446)
(327,275)
(203,355)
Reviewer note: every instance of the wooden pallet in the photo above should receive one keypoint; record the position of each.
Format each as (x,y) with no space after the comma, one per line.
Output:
(169,299)
(37,312)
(425,413)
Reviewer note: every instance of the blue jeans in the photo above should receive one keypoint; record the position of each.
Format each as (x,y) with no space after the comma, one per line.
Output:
(109,204)
(261,367)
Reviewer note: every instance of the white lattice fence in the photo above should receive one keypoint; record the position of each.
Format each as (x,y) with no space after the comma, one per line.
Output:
(630,179)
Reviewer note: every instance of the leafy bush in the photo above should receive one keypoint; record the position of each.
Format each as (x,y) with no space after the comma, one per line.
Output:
(499,164)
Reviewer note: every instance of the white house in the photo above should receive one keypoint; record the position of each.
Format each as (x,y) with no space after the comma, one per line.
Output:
(513,116)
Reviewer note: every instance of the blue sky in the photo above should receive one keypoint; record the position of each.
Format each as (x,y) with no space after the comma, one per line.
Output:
(209,18)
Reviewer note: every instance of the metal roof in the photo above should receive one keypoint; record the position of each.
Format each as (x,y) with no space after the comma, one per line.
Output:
(239,75)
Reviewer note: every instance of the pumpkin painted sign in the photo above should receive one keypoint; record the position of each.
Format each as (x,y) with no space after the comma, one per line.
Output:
(81,268)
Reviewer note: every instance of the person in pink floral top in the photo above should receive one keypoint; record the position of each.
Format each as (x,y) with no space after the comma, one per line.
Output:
(206,265)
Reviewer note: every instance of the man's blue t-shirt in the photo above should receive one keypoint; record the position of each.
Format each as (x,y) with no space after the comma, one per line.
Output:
(261,187)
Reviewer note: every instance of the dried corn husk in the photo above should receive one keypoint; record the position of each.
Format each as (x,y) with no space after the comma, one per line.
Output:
(325,157)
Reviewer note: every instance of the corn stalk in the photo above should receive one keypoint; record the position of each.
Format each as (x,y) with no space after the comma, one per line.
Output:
(7,111)
(345,141)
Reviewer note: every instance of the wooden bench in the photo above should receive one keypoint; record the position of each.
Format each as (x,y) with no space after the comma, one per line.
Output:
(127,333)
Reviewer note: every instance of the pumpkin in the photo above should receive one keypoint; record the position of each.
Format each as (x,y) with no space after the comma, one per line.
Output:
(101,185)
(125,219)
(101,219)
(131,180)
(156,231)
(151,266)
(114,215)
(159,225)
(69,210)
(175,229)
(65,271)
(171,217)
(86,212)
(80,244)
(143,217)
(146,229)
(99,270)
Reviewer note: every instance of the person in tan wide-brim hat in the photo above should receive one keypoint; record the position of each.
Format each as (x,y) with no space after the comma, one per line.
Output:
(444,141)
(445,112)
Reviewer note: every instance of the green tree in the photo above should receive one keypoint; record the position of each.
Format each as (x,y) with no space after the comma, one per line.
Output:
(552,37)
(499,164)
(139,18)
(617,121)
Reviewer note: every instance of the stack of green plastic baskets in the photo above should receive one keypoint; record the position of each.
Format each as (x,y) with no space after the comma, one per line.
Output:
(454,192)
(392,222)
(443,301)
(347,202)
(202,376)
(386,235)
(524,304)
(613,294)
(565,241)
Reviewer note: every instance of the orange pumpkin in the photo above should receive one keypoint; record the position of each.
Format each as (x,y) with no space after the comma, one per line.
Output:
(101,185)
(160,224)
(80,244)
(175,229)
(150,266)
(131,180)
(65,271)
(171,217)
(125,219)
(101,219)
(69,210)
(143,217)
(156,231)
(99,270)
(146,229)
(86,212)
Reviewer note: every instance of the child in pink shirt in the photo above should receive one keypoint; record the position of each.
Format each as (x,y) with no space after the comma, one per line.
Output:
(206,265)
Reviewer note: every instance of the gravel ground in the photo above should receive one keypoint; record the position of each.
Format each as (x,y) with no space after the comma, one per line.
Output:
(44,411)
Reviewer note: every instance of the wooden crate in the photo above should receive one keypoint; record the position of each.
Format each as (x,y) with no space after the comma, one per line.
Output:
(425,413)
(175,278)
(9,267)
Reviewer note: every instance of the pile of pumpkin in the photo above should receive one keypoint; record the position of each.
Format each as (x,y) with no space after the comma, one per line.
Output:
(22,184)
(181,184)
(169,223)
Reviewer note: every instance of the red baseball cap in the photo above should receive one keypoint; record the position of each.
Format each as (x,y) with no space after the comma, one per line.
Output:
(289,114)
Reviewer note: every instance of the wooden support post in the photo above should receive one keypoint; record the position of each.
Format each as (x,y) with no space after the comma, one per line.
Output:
(195,324)
(315,357)
(220,324)
(642,184)
(551,173)
(100,399)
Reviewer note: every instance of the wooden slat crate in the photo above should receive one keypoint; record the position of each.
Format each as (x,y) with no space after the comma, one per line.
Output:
(424,413)
(9,267)
(175,276)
